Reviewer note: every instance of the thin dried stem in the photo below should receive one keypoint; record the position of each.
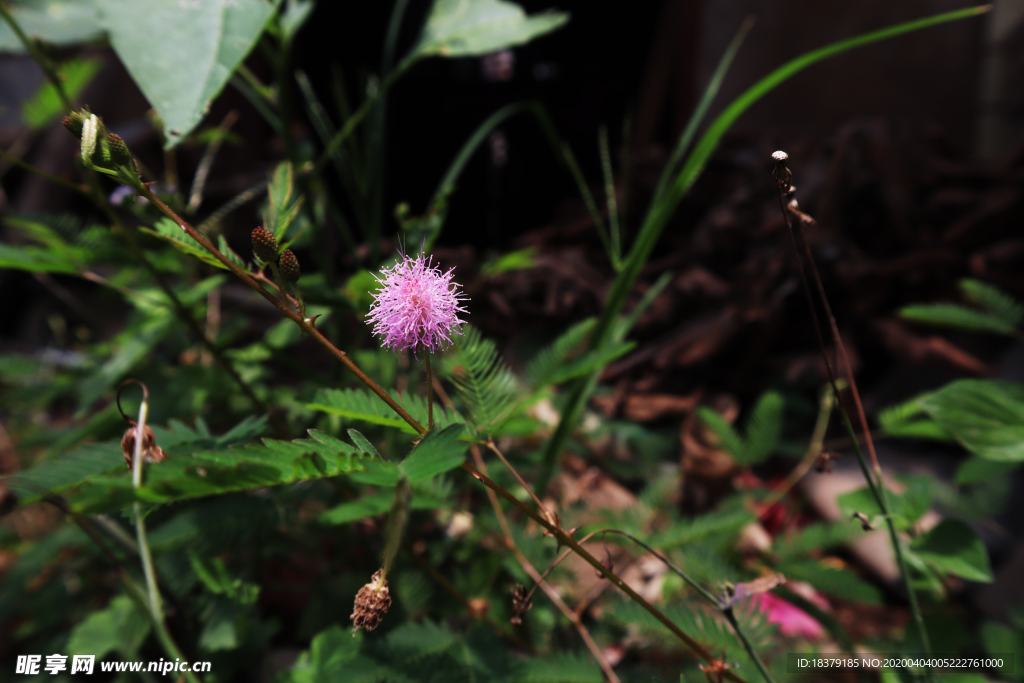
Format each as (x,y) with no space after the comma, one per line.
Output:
(784,177)
(538,579)
(522,482)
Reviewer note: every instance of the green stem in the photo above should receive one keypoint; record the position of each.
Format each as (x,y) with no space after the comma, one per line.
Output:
(81,189)
(140,524)
(138,596)
(747,645)
(430,392)
(277,281)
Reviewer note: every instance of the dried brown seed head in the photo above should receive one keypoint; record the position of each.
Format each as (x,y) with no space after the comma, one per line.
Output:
(521,604)
(372,603)
(825,460)
(264,245)
(865,523)
(744,590)
(783,176)
(151,453)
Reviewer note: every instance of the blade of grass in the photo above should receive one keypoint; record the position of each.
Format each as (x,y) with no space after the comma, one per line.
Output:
(710,91)
(610,198)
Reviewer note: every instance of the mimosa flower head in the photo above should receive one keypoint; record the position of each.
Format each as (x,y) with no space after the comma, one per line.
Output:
(416,307)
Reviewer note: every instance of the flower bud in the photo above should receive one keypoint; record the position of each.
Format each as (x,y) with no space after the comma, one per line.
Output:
(289,266)
(119,152)
(74,122)
(264,245)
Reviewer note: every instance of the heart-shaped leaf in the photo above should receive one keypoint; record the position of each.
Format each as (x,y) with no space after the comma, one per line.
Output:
(181,53)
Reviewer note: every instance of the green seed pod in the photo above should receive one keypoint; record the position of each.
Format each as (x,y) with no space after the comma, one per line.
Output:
(74,122)
(264,245)
(289,266)
(119,152)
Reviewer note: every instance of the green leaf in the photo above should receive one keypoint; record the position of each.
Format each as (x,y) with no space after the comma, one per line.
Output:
(214,575)
(470,28)
(910,420)
(440,451)
(46,105)
(559,668)
(207,473)
(960,317)
(282,208)
(133,345)
(975,469)
(906,508)
(547,361)
(481,379)
(814,537)
(168,231)
(764,427)
(294,17)
(985,416)
(362,404)
(590,361)
(731,440)
(378,473)
(711,524)
(181,54)
(952,547)
(362,443)
(413,641)
(334,656)
(60,22)
(119,627)
(514,260)
(367,506)
(66,470)
(1001,640)
(222,245)
(37,260)
(834,580)
(994,300)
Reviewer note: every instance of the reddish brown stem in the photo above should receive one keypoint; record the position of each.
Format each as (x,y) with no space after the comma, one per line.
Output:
(285,310)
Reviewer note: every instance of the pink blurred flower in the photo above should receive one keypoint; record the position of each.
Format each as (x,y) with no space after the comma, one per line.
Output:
(792,620)
(416,307)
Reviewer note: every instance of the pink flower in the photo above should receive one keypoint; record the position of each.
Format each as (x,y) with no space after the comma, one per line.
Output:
(416,307)
(792,620)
